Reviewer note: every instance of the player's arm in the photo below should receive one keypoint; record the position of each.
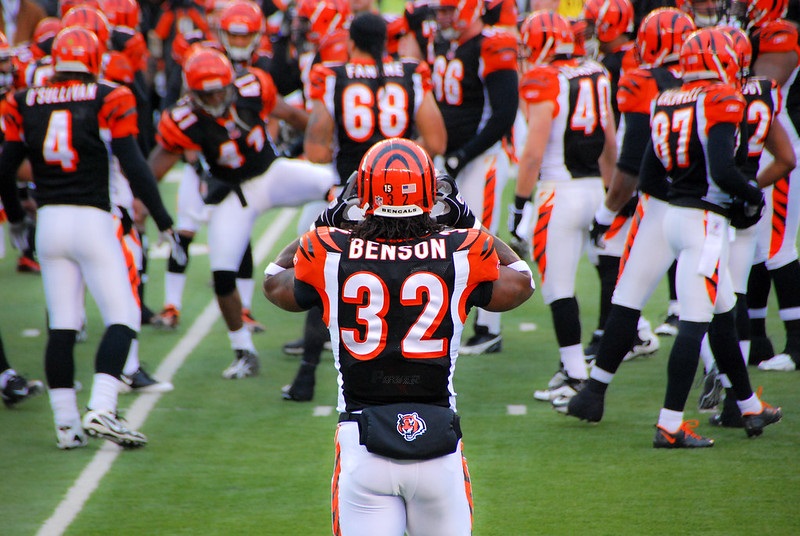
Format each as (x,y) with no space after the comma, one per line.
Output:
(161,161)
(780,147)
(295,117)
(141,178)
(430,125)
(540,120)
(279,280)
(608,158)
(776,65)
(515,282)
(318,140)
(11,157)
(722,166)
(653,175)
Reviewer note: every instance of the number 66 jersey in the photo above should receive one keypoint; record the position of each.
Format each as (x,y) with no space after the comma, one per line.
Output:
(396,323)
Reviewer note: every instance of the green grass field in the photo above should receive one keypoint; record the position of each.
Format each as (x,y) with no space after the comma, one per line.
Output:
(231,457)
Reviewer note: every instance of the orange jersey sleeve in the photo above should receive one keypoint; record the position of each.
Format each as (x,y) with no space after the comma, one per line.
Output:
(498,51)
(484,264)
(723,104)
(333,46)
(118,113)
(777,36)
(10,119)
(136,51)
(541,84)
(317,86)
(269,93)
(171,137)
(637,89)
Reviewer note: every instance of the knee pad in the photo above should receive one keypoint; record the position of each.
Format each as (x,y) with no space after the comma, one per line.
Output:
(224,283)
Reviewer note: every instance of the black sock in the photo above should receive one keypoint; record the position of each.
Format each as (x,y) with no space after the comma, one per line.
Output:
(620,332)
(757,296)
(566,321)
(113,350)
(725,345)
(673,270)
(742,318)
(246,266)
(59,358)
(608,270)
(682,364)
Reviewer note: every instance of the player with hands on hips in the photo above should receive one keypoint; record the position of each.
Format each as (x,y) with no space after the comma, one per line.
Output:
(399,268)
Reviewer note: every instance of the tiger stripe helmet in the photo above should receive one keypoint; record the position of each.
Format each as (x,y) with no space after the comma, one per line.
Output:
(760,12)
(545,34)
(661,35)
(611,18)
(742,46)
(125,13)
(323,17)
(396,179)
(241,18)
(709,54)
(42,41)
(76,50)
(66,5)
(466,13)
(205,72)
(92,19)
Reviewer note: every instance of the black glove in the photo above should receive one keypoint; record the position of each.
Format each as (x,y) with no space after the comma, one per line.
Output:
(455,162)
(457,213)
(596,232)
(336,214)
(744,214)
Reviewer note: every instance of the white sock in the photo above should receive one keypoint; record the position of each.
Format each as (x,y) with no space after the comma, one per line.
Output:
(241,339)
(751,405)
(574,361)
(105,389)
(601,375)
(490,319)
(725,381)
(173,289)
(132,363)
(674,308)
(64,403)
(670,420)
(245,288)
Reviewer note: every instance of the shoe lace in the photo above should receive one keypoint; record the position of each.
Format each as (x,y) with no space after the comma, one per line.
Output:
(689,426)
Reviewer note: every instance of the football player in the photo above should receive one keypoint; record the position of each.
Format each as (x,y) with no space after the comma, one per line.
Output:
(77,236)
(223,119)
(395,328)
(694,136)
(775,56)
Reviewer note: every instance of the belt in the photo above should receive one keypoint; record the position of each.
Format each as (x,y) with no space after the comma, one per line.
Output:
(348,416)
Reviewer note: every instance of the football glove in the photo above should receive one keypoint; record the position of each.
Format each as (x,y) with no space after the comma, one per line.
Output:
(596,232)
(744,214)
(455,211)
(455,162)
(19,235)
(343,208)
(178,254)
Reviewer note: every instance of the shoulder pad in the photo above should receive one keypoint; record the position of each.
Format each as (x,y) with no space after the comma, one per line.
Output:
(540,84)
(637,89)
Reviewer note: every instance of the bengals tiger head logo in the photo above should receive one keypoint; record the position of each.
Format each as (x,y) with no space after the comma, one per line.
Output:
(410,425)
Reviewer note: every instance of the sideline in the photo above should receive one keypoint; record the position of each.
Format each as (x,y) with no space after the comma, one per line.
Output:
(90,477)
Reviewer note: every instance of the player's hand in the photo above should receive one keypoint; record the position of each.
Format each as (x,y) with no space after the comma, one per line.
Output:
(596,232)
(454,163)
(744,214)
(19,235)
(629,209)
(520,246)
(457,213)
(339,211)
(177,252)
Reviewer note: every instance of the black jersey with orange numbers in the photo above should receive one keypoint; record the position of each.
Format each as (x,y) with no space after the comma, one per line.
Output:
(67,128)
(236,146)
(459,81)
(367,109)
(763,104)
(680,123)
(395,310)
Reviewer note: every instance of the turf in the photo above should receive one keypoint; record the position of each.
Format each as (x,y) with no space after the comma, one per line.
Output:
(231,457)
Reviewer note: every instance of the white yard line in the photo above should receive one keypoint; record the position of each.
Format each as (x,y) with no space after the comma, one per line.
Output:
(90,478)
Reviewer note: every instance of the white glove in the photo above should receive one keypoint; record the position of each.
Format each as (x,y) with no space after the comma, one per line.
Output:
(176,250)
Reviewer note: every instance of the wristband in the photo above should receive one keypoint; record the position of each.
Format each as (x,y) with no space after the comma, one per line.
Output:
(523,268)
(273,269)
(604,215)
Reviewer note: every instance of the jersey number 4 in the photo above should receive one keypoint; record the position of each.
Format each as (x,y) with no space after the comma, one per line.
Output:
(58,149)
(369,294)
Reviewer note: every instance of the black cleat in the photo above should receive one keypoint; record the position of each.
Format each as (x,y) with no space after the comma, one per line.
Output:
(482,342)
(684,438)
(729,417)
(587,406)
(18,389)
(591,350)
(760,350)
(141,382)
(712,392)
(754,423)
